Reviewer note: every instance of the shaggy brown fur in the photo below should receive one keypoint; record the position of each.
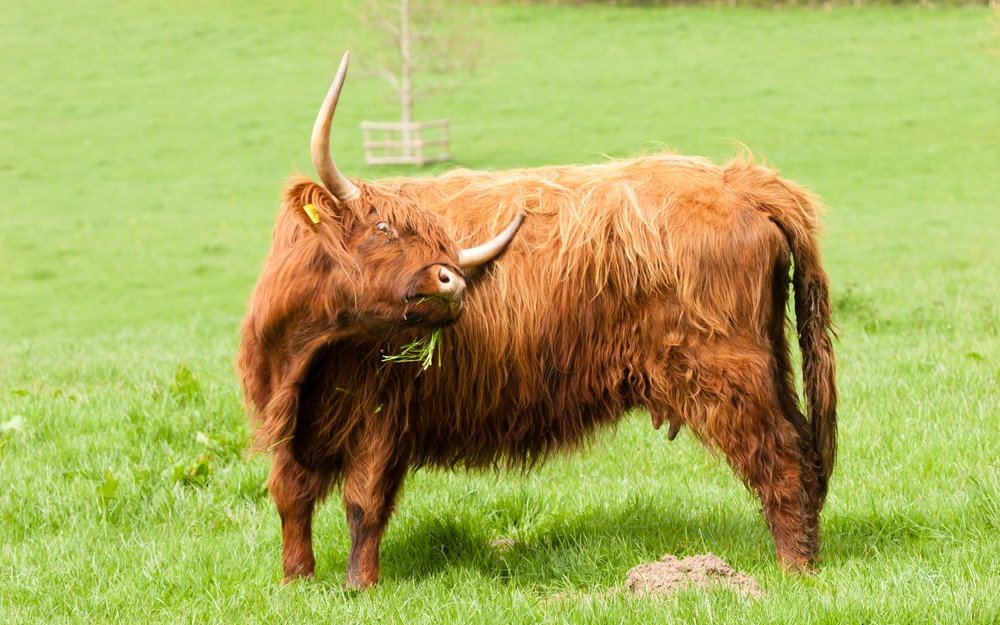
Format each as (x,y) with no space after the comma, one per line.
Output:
(657,282)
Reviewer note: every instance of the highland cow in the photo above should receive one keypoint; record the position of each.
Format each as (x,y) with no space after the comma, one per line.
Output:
(657,282)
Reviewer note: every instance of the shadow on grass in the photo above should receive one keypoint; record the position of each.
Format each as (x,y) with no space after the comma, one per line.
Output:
(598,545)
(859,536)
(594,547)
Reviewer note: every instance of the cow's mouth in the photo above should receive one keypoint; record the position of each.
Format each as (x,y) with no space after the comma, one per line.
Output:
(431,309)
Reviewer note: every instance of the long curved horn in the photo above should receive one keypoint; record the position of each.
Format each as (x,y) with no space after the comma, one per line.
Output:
(336,182)
(475,256)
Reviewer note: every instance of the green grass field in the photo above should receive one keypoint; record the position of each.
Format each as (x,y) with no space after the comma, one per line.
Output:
(142,150)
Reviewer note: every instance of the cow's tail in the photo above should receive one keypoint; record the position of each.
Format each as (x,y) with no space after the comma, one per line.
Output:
(795,211)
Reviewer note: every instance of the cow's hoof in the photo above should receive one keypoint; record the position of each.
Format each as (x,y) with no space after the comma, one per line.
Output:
(355,583)
(796,565)
(292,577)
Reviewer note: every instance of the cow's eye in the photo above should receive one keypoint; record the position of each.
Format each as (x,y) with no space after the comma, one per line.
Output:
(387,230)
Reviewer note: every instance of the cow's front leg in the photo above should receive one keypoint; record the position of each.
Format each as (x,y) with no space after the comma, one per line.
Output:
(370,487)
(295,490)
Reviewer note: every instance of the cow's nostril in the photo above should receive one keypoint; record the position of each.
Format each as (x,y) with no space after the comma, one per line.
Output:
(449,282)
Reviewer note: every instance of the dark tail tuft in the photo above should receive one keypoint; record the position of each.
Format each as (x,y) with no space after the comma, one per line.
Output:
(812,320)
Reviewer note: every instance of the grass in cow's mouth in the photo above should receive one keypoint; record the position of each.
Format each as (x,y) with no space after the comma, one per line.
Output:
(419,351)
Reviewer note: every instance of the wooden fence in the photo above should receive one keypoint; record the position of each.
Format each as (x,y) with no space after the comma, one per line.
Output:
(401,143)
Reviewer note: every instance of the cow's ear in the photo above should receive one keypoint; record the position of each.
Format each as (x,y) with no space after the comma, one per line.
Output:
(307,208)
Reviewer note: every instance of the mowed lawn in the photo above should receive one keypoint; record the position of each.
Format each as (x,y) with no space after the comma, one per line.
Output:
(142,150)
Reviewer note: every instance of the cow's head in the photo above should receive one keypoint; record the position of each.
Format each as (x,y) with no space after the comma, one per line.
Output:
(411,272)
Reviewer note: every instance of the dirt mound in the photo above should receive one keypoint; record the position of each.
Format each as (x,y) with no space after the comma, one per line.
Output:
(704,571)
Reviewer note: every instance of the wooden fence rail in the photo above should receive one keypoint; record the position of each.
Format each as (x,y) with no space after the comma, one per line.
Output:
(400,143)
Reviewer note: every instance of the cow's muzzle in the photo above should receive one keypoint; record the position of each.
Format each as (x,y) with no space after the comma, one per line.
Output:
(436,296)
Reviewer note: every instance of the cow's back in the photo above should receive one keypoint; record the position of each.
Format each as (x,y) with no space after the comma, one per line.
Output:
(616,268)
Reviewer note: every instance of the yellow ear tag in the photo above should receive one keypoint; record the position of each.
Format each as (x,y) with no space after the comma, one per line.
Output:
(311,211)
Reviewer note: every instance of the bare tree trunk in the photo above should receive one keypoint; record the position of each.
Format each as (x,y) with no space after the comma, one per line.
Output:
(417,34)
(405,93)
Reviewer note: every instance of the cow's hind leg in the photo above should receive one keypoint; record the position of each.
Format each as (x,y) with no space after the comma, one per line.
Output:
(748,422)
(296,490)
(374,476)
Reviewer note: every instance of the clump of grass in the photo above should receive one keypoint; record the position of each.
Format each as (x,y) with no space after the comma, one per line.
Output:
(419,351)
(185,387)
